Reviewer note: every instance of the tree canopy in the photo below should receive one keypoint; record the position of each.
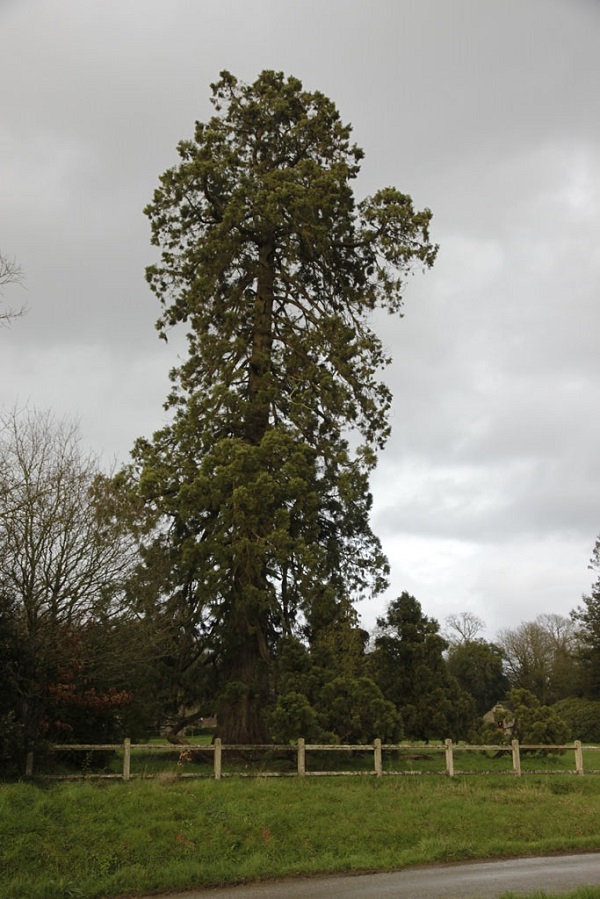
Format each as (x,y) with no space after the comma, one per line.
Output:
(408,664)
(478,666)
(67,552)
(587,620)
(262,476)
(541,657)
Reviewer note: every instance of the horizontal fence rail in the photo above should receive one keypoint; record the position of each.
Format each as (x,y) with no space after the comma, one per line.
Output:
(300,750)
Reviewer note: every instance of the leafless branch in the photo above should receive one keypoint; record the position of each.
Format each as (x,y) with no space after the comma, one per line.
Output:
(10,273)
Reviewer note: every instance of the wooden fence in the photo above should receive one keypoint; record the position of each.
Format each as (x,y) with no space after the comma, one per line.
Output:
(301,749)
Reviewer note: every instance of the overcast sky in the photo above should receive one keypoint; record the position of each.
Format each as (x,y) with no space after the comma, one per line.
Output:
(487,497)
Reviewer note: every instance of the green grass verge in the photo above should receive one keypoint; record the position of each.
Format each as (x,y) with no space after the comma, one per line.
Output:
(98,839)
(581,893)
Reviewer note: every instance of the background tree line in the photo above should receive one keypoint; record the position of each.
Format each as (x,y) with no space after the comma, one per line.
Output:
(92,649)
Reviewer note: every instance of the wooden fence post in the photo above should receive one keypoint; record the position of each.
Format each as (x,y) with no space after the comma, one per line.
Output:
(218,758)
(29,764)
(578,757)
(449,759)
(126,758)
(516,756)
(301,757)
(377,757)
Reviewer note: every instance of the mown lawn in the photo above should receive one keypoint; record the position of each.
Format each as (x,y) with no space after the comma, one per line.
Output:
(98,839)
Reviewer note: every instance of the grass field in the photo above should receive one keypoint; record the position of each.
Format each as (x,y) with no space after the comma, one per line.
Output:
(581,893)
(98,839)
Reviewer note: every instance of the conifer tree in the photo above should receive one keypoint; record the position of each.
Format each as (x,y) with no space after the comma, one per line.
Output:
(275,270)
(587,619)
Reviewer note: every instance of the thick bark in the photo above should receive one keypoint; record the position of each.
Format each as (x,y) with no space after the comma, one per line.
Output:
(242,704)
(246,670)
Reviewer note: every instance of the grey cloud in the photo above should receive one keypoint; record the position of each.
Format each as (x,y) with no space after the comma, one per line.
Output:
(487,495)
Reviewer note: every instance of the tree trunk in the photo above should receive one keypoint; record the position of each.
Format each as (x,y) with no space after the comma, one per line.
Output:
(259,367)
(246,667)
(240,718)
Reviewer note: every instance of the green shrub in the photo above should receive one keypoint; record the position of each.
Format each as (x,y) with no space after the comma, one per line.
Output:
(582,717)
(294,717)
(535,723)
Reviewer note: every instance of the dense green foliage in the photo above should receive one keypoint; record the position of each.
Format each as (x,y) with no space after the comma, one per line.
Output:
(324,687)
(582,717)
(533,722)
(94,660)
(408,664)
(587,616)
(478,667)
(274,268)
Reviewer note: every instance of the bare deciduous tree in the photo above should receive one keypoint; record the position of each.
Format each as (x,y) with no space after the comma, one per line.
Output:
(463,627)
(10,273)
(540,656)
(65,551)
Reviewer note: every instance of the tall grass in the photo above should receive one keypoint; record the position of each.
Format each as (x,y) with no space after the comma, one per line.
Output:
(103,839)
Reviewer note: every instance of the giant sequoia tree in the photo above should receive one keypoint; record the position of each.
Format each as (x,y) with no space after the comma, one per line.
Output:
(275,270)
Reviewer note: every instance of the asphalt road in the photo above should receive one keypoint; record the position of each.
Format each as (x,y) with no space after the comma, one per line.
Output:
(485,880)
